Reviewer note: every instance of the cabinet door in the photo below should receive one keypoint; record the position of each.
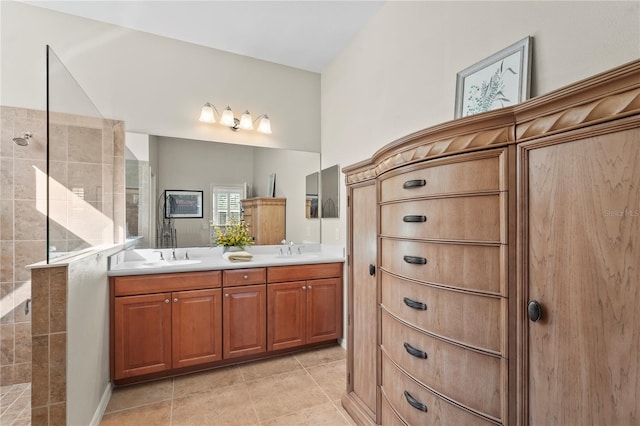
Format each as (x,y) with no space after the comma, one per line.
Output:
(244,329)
(286,320)
(142,333)
(197,327)
(361,358)
(582,248)
(323,310)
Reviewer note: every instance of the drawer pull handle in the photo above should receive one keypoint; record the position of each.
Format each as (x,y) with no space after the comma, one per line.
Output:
(412,218)
(415,183)
(414,352)
(414,402)
(415,305)
(415,260)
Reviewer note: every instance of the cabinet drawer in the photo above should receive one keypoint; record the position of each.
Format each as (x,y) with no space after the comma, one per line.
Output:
(388,415)
(474,218)
(474,267)
(467,318)
(277,274)
(466,376)
(480,175)
(236,277)
(157,283)
(418,406)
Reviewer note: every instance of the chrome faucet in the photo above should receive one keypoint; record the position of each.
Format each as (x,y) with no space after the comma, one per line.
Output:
(161,256)
(173,254)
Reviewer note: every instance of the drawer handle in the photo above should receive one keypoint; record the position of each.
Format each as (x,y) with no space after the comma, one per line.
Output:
(415,183)
(411,218)
(415,305)
(415,352)
(414,402)
(415,260)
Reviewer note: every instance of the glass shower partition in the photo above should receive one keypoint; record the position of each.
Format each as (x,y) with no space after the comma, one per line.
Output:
(85,152)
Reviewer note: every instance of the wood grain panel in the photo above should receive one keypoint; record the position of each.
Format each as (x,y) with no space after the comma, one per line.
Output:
(286,315)
(583,255)
(438,410)
(249,276)
(323,310)
(159,283)
(277,274)
(469,377)
(197,327)
(473,267)
(244,321)
(466,318)
(363,296)
(388,414)
(474,218)
(480,175)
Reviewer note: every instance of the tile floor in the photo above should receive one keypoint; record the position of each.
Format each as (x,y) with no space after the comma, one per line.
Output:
(15,405)
(298,389)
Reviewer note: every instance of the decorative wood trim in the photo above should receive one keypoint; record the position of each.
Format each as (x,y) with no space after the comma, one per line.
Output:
(604,109)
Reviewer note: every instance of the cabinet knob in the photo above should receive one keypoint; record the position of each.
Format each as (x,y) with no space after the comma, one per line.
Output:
(226,295)
(246,277)
(534,310)
(309,287)
(304,287)
(166,300)
(175,300)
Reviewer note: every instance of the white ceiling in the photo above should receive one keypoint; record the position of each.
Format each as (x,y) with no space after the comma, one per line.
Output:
(301,34)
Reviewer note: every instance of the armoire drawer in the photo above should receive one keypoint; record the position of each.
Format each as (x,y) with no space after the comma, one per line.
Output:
(469,377)
(388,415)
(474,267)
(429,179)
(417,405)
(467,318)
(473,218)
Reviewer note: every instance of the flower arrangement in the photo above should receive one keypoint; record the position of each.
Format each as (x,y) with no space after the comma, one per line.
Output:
(234,234)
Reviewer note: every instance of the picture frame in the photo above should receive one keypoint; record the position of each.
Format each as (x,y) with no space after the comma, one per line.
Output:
(183,204)
(503,79)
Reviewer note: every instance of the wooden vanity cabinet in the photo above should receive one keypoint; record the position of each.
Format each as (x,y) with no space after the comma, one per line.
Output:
(154,329)
(244,307)
(308,311)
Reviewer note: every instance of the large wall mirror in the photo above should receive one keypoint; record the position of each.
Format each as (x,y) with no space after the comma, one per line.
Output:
(155,164)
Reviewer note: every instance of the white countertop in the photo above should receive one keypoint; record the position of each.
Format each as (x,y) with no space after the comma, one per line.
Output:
(147,261)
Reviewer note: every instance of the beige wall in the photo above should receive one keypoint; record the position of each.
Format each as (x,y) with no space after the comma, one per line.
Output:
(398,74)
(154,84)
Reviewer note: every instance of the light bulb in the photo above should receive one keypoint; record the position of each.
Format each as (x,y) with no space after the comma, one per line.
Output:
(265,125)
(227,117)
(206,114)
(246,123)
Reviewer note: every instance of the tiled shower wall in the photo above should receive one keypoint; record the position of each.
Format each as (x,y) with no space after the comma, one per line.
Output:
(87,203)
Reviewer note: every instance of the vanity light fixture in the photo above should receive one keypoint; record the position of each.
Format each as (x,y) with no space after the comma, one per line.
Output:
(209,111)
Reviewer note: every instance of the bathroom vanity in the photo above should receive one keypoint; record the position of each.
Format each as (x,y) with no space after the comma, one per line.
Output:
(170,317)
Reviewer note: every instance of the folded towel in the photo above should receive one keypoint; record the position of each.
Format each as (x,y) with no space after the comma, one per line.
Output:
(237,256)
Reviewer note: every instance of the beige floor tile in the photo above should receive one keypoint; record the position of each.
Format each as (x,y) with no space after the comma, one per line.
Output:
(157,414)
(206,381)
(331,378)
(142,394)
(229,405)
(325,414)
(344,413)
(285,394)
(321,356)
(269,367)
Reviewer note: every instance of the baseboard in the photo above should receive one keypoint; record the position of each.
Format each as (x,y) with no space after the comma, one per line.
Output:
(104,401)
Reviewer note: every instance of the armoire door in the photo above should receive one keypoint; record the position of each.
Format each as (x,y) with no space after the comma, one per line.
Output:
(581,223)
(363,299)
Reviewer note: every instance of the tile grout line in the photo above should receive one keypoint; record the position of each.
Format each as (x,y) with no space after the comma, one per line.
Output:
(322,389)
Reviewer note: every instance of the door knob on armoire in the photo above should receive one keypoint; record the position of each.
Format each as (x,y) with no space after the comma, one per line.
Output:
(372,270)
(534,310)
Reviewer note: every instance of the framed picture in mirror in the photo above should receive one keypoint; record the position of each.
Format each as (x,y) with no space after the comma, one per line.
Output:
(182,204)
